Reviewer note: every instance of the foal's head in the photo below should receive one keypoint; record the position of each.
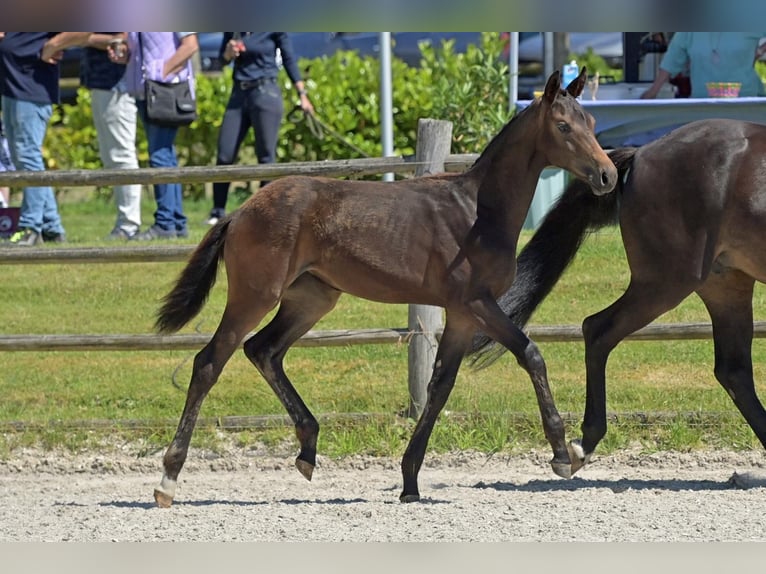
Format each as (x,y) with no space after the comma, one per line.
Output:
(567,133)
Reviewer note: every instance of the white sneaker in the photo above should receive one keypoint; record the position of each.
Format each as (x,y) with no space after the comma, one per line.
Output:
(212,220)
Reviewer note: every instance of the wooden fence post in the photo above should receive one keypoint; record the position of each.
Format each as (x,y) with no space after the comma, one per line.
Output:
(433,147)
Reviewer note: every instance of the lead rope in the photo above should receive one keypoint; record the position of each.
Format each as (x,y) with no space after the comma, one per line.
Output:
(317,128)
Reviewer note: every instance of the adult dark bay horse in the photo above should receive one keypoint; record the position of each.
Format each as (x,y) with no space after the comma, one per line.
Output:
(692,212)
(445,240)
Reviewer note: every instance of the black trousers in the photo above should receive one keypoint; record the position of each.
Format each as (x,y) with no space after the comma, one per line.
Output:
(260,107)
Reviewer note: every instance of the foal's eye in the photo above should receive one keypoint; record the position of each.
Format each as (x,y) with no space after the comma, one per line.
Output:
(564,127)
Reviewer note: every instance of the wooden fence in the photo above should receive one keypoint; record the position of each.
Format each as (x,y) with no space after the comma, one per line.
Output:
(424,323)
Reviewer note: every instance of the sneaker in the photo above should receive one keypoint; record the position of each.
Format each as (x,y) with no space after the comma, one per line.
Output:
(54,237)
(26,238)
(118,234)
(154,232)
(182,233)
(215,216)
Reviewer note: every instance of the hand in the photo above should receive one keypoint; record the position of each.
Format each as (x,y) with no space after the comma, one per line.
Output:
(51,54)
(306,104)
(233,49)
(117,51)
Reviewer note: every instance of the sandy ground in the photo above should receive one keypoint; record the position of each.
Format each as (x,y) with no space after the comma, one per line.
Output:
(249,495)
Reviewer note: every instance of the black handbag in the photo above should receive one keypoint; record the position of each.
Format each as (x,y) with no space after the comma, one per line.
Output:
(170,104)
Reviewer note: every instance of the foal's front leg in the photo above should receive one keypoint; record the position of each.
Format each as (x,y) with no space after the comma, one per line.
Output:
(498,326)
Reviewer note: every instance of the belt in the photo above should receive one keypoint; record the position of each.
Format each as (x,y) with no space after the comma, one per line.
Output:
(250,84)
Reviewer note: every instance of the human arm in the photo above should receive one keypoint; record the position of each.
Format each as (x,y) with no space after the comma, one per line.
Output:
(54,48)
(289,61)
(659,80)
(186,49)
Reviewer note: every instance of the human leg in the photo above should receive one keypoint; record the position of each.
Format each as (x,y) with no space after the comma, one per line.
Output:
(114,115)
(169,216)
(266,110)
(233,129)
(25,124)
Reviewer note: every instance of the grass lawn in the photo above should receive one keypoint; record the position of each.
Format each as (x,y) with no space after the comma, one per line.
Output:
(58,395)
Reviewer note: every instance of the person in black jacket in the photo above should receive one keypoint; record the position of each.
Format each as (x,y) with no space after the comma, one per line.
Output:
(255,101)
(114,115)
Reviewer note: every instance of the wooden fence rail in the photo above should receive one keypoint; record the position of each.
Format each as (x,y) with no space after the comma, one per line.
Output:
(432,154)
(336,338)
(428,158)
(206,174)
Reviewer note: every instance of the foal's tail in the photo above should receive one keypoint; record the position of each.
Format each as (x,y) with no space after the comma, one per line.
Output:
(191,290)
(552,248)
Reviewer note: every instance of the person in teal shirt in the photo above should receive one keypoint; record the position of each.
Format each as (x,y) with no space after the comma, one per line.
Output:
(712,57)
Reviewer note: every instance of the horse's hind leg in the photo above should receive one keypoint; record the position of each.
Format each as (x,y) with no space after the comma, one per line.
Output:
(208,364)
(453,345)
(728,297)
(306,301)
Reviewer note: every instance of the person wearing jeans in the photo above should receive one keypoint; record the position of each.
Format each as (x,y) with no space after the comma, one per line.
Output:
(163,56)
(114,116)
(169,218)
(29,86)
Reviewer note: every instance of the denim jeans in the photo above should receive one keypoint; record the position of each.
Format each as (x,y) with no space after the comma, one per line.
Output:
(170,212)
(25,124)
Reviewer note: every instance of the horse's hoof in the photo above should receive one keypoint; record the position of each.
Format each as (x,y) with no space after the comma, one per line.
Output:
(162,499)
(562,469)
(409,498)
(305,468)
(577,455)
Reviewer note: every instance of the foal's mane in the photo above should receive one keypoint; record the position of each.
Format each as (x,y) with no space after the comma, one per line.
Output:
(500,137)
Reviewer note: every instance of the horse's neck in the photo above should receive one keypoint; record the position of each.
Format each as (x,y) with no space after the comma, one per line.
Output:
(507,175)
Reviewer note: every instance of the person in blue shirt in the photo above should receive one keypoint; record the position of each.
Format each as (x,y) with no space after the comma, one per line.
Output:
(712,57)
(29,86)
(255,101)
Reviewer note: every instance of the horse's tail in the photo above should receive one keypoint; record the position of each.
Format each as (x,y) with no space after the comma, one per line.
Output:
(552,248)
(191,290)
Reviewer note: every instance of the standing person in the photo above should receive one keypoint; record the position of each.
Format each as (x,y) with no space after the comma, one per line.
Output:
(255,101)
(712,57)
(6,164)
(29,86)
(114,115)
(164,56)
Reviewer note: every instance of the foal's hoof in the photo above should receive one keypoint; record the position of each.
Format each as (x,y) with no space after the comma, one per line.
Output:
(409,498)
(162,499)
(305,468)
(562,469)
(577,455)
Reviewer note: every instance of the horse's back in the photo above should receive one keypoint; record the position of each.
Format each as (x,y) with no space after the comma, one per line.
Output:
(702,189)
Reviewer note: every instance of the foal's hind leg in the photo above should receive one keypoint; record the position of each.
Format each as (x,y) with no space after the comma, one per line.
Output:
(728,297)
(306,301)
(208,364)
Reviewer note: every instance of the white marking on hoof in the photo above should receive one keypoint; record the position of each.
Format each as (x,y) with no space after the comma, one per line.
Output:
(165,492)
(577,455)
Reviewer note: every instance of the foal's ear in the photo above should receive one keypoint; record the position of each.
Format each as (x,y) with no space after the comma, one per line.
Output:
(577,85)
(552,87)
